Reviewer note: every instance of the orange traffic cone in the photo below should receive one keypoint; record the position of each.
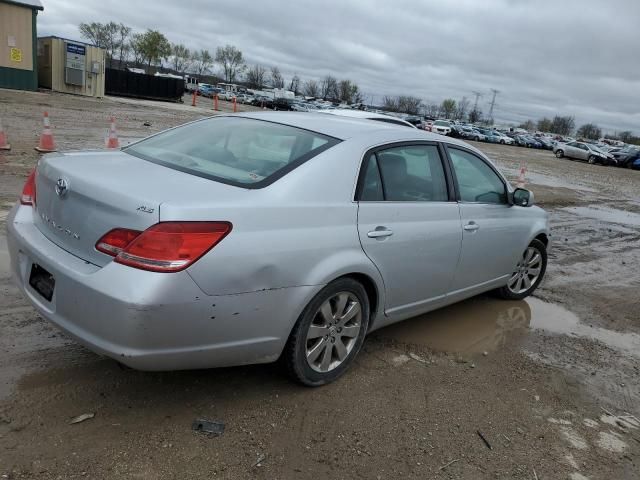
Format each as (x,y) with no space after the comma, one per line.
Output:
(4,144)
(46,143)
(112,139)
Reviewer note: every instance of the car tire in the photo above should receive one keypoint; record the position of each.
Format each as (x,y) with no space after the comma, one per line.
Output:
(502,142)
(591,160)
(559,154)
(528,274)
(312,353)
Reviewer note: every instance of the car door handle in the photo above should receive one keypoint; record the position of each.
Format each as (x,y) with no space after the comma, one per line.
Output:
(380,233)
(471,227)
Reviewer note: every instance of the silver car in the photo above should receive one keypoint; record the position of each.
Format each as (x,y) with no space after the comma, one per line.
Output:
(246,238)
(583,151)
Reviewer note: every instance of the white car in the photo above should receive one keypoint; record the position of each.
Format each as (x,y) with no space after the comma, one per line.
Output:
(379,117)
(442,127)
(504,139)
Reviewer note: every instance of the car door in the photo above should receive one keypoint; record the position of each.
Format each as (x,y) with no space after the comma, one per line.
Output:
(582,151)
(409,224)
(494,234)
(571,150)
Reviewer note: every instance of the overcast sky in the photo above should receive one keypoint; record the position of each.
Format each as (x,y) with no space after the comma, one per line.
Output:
(570,57)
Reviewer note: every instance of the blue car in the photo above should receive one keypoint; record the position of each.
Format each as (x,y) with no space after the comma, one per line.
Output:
(636,164)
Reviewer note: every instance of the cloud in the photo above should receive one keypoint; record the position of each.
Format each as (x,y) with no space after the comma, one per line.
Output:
(568,57)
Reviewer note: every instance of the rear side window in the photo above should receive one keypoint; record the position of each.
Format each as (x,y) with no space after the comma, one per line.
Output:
(405,174)
(239,151)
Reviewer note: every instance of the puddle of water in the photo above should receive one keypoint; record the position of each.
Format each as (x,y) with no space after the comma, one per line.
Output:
(607,214)
(548,181)
(485,324)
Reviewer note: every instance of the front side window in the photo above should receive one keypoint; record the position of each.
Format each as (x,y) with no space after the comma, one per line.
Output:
(234,150)
(477,181)
(405,174)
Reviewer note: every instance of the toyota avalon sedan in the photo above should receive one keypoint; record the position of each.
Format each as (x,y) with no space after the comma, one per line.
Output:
(249,238)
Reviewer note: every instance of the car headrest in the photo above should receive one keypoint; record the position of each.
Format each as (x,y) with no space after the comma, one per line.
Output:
(392,165)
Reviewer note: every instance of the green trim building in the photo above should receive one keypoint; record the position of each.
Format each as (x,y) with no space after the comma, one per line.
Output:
(18,44)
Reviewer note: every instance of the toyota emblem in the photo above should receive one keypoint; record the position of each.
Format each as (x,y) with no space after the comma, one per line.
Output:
(61,187)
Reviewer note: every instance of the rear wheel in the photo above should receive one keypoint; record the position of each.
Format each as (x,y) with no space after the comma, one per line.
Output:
(329,333)
(559,153)
(528,273)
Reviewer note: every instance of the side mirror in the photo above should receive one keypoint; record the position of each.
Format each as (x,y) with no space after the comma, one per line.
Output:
(522,197)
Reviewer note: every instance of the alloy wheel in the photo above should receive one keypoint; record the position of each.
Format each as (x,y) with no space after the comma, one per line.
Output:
(527,271)
(334,331)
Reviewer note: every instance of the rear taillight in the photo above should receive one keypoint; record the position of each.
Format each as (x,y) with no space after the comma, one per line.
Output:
(28,196)
(114,241)
(164,247)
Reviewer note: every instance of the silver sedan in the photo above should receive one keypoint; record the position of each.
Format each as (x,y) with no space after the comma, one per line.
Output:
(246,238)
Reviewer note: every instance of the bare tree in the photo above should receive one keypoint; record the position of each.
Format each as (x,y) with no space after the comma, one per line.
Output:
(475,115)
(590,131)
(329,88)
(563,125)
(294,85)
(528,125)
(390,103)
(202,61)
(180,57)
(137,48)
(124,33)
(461,109)
(276,78)
(431,110)
(409,104)
(544,124)
(448,108)
(103,35)
(256,76)
(311,88)
(231,60)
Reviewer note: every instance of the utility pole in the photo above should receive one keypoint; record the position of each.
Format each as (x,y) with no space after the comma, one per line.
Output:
(478,95)
(493,103)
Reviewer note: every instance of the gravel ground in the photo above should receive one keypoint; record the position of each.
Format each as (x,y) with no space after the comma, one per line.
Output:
(551,383)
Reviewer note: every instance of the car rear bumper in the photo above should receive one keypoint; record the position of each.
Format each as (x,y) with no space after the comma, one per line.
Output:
(148,320)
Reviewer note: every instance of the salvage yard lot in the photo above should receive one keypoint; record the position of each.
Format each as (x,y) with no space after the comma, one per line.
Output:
(551,383)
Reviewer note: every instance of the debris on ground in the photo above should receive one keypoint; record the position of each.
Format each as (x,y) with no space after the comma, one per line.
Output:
(261,458)
(210,427)
(82,418)
(484,439)
(450,463)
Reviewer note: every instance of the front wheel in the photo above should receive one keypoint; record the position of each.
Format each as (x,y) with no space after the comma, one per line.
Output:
(528,273)
(559,154)
(329,333)
(591,159)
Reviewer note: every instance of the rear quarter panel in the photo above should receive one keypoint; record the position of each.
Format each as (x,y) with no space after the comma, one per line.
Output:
(300,230)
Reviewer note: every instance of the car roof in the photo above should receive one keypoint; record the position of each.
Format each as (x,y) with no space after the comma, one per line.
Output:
(366,115)
(337,126)
(344,128)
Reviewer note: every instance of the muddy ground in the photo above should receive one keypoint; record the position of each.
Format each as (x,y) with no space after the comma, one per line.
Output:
(551,383)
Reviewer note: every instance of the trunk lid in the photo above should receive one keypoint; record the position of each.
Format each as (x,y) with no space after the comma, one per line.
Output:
(106,190)
(94,194)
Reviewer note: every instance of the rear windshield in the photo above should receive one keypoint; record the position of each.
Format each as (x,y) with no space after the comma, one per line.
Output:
(235,150)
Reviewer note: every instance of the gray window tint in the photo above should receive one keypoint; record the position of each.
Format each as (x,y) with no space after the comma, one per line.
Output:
(239,150)
(412,174)
(371,184)
(477,181)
